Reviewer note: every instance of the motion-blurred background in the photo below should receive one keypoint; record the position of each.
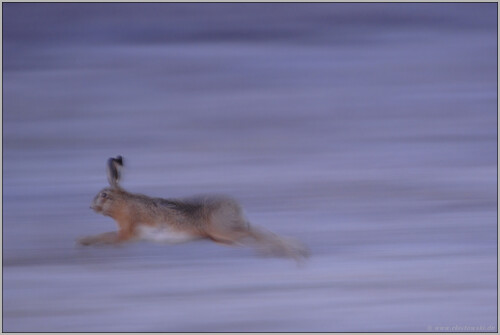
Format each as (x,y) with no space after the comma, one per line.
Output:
(368,131)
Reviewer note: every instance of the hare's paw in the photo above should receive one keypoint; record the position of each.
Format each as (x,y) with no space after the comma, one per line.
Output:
(105,238)
(83,241)
(86,241)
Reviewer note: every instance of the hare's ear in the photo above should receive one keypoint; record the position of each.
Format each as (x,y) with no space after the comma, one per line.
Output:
(119,160)
(113,169)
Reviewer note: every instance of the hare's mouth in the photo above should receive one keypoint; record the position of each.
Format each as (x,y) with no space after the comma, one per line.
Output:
(96,208)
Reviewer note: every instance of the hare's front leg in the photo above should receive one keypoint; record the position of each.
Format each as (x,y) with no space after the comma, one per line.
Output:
(112,237)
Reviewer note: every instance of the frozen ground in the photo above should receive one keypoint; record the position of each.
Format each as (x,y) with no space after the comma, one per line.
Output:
(367,131)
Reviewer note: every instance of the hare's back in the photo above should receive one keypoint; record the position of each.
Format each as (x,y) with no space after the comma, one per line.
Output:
(201,205)
(213,203)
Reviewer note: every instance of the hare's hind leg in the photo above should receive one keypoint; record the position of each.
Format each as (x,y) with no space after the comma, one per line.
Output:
(268,243)
(228,226)
(265,242)
(235,234)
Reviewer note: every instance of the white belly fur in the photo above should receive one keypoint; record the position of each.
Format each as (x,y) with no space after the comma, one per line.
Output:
(163,234)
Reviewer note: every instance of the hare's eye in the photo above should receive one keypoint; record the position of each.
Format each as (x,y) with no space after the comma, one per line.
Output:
(104,195)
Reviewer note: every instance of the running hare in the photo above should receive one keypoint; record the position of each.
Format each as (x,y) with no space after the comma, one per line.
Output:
(218,218)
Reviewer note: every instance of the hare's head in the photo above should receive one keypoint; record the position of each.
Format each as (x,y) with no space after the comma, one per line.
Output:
(106,201)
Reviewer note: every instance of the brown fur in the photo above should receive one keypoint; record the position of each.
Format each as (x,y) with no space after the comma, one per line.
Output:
(218,218)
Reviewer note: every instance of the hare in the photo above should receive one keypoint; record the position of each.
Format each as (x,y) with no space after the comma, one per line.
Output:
(218,218)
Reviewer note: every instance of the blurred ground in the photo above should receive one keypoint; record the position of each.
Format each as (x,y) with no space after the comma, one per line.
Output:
(368,131)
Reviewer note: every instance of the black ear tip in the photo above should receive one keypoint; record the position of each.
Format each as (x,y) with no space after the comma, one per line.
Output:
(119,160)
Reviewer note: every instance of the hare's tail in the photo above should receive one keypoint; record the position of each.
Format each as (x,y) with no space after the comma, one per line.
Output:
(271,244)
